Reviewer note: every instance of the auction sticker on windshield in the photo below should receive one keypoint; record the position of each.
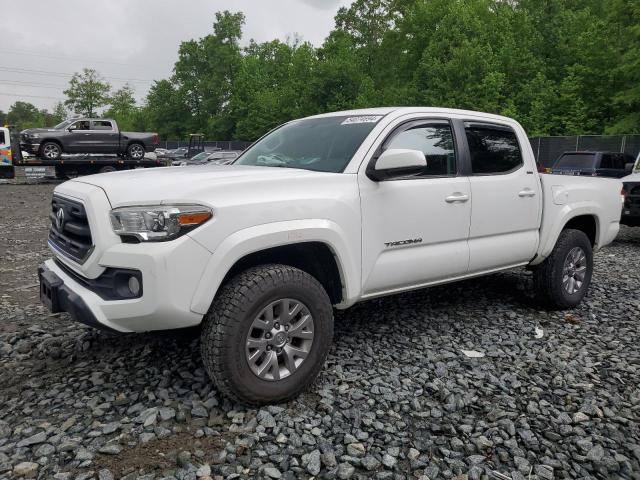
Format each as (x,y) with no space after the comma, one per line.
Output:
(362,119)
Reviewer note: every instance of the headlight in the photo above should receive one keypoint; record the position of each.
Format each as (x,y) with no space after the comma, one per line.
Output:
(34,135)
(158,223)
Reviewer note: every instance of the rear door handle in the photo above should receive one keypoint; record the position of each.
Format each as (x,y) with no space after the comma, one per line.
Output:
(456,197)
(527,192)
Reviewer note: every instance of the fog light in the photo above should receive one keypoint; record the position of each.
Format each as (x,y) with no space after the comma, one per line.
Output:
(134,286)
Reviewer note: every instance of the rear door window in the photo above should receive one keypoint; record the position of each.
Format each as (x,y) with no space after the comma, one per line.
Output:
(607,161)
(494,149)
(101,125)
(619,161)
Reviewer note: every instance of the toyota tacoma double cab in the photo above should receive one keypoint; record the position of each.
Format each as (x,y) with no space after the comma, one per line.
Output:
(87,135)
(322,212)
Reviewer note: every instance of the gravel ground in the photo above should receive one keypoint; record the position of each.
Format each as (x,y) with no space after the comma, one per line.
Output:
(398,397)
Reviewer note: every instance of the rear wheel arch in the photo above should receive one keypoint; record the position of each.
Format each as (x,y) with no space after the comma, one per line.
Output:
(585,223)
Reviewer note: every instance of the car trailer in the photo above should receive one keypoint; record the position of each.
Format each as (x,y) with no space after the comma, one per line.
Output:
(68,165)
(88,164)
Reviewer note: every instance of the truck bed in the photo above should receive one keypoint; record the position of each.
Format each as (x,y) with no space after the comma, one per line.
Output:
(566,197)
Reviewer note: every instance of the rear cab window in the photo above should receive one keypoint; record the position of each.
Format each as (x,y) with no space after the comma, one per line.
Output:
(494,149)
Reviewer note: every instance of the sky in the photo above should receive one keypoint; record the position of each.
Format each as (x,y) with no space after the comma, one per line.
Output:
(136,41)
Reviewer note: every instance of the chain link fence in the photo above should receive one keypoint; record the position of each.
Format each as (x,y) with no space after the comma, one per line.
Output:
(208,144)
(548,149)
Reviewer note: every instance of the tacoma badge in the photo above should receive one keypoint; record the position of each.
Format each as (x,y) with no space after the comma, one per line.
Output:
(403,242)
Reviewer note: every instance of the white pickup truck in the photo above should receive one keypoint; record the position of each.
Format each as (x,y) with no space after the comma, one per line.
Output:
(321,212)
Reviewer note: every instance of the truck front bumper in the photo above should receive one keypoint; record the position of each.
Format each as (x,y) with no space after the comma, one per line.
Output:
(32,148)
(58,297)
(168,274)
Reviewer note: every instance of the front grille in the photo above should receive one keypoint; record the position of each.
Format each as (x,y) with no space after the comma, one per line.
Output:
(70,232)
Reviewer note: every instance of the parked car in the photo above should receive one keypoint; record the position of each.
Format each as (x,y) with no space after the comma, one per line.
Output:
(631,208)
(175,154)
(216,158)
(87,135)
(594,164)
(322,212)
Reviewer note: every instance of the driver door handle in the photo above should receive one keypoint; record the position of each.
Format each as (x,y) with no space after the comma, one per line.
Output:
(527,192)
(456,197)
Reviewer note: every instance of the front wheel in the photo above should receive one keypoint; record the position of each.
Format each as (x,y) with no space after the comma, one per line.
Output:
(267,334)
(562,280)
(50,151)
(135,151)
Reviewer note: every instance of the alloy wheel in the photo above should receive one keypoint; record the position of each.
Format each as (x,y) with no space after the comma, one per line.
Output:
(51,151)
(136,151)
(574,270)
(279,339)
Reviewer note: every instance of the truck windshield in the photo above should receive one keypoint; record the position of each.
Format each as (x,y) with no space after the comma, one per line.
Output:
(576,160)
(62,125)
(321,144)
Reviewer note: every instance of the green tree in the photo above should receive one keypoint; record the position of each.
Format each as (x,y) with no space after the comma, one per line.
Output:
(123,107)
(557,66)
(625,15)
(24,115)
(205,72)
(165,111)
(87,92)
(59,113)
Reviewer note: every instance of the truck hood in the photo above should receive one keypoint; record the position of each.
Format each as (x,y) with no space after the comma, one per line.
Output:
(196,183)
(38,130)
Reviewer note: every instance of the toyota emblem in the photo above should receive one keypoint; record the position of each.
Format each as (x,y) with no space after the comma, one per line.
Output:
(60,218)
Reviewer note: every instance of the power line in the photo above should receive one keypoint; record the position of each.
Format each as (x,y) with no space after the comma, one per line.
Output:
(40,85)
(67,75)
(24,95)
(32,84)
(57,57)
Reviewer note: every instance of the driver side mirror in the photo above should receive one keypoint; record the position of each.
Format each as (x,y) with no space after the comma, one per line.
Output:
(628,168)
(397,163)
(72,128)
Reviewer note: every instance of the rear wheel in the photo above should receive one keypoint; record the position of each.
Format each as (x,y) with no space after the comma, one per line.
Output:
(562,280)
(135,151)
(50,151)
(267,334)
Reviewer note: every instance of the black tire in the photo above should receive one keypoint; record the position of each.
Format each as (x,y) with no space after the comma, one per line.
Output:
(228,323)
(50,151)
(107,169)
(135,151)
(548,276)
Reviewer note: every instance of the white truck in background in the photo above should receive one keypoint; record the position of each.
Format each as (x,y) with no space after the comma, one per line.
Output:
(322,212)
